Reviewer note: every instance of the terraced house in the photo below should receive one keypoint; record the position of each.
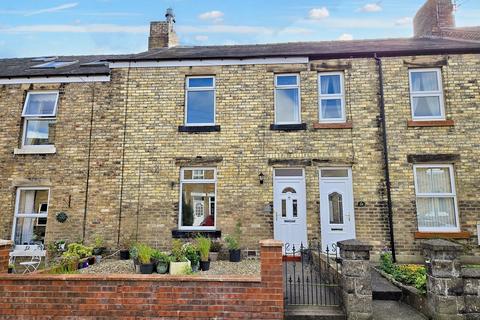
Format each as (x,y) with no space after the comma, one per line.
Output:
(371,139)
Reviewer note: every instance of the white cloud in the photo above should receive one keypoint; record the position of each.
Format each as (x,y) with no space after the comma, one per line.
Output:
(69,28)
(225,29)
(215,16)
(345,37)
(53,9)
(403,21)
(201,38)
(371,7)
(318,13)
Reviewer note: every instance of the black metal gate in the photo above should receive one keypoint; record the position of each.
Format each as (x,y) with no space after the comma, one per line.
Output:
(311,276)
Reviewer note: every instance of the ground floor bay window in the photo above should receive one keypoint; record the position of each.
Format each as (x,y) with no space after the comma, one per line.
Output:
(436,198)
(30,219)
(198,194)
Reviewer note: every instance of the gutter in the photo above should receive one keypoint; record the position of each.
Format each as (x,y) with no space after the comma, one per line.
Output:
(385,155)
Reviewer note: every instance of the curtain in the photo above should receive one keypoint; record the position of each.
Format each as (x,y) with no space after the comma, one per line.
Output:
(426,106)
(424,81)
(27,226)
(433,180)
(436,212)
(330,84)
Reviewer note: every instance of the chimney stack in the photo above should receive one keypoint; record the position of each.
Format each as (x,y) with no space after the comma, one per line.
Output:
(162,34)
(432,17)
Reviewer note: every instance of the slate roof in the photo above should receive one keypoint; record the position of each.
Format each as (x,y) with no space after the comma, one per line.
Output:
(22,67)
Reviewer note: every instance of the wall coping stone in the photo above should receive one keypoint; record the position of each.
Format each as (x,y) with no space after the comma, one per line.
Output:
(470,272)
(354,245)
(271,243)
(6,242)
(441,245)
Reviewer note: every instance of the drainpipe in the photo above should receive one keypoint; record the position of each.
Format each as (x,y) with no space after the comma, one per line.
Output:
(385,156)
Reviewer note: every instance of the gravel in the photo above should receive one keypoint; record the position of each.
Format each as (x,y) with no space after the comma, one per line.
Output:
(244,267)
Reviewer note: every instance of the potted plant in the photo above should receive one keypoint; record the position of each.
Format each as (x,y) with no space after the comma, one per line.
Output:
(11,267)
(191,252)
(162,261)
(134,256)
(179,263)
(125,244)
(98,248)
(203,245)
(233,244)
(214,250)
(145,259)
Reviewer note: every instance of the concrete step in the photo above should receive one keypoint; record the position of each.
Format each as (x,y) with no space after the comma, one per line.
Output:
(382,289)
(305,312)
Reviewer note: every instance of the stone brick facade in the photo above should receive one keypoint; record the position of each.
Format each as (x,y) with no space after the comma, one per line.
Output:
(124,136)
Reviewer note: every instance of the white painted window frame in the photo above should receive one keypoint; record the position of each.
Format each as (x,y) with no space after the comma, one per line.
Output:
(212,88)
(37,117)
(17,215)
(416,94)
(202,181)
(280,87)
(340,96)
(452,194)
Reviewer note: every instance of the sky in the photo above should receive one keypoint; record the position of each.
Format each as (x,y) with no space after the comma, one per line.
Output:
(70,27)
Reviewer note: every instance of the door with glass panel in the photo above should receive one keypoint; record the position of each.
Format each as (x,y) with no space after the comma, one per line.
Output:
(290,208)
(337,218)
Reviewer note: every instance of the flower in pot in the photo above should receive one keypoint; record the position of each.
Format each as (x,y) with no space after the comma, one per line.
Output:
(233,244)
(203,245)
(145,258)
(191,253)
(162,261)
(179,263)
(214,250)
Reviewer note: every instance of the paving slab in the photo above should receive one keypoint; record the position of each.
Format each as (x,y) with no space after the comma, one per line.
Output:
(382,289)
(395,310)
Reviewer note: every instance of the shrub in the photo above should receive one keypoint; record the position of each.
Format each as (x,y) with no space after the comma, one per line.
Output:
(233,240)
(160,257)
(191,253)
(79,250)
(178,252)
(408,274)
(134,252)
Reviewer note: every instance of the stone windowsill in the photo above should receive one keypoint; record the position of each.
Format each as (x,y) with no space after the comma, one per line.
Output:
(47,149)
(431,123)
(212,128)
(185,234)
(333,125)
(442,235)
(288,127)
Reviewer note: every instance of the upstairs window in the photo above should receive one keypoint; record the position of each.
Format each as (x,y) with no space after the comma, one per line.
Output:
(39,114)
(287,99)
(426,94)
(331,97)
(436,198)
(200,101)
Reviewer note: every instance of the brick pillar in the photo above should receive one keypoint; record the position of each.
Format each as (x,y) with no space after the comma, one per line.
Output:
(444,282)
(5,247)
(356,282)
(271,271)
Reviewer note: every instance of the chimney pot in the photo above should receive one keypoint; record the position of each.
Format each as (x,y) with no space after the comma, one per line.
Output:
(162,33)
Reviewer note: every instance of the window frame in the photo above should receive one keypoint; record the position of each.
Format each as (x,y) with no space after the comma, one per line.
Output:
(212,88)
(17,215)
(331,96)
(297,86)
(202,181)
(416,94)
(452,194)
(37,117)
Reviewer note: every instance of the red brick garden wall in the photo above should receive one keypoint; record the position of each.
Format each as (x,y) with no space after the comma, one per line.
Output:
(5,247)
(128,296)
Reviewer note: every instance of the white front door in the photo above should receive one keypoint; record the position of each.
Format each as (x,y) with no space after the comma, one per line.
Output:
(290,223)
(337,217)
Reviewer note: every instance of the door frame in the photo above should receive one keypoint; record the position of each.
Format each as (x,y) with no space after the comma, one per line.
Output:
(349,178)
(301,179)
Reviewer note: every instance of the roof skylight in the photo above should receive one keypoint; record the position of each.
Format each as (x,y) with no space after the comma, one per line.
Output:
(54,64)
(45,59)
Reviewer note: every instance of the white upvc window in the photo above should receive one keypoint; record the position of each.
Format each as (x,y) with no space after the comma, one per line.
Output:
(287,99)
(30,219)
(436,198)
(426,94)
(200,101)
(198,187)
(39,113)
(331,94)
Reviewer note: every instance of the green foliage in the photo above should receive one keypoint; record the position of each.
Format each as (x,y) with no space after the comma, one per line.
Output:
(187,270)
(216,246)
(98,242)
(203,245)
(79,250)
(144,253)
(408,274)
(191,253)
(178,252)
(160,257)
(233,240)
(134,252)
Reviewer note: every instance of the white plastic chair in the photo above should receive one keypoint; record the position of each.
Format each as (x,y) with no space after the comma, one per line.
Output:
(32,265)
